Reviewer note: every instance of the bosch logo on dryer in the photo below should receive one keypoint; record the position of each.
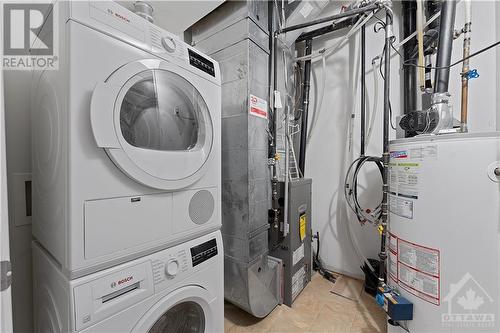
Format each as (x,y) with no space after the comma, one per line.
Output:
(122,281)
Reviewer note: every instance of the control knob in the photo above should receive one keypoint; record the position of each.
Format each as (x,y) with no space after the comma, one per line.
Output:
(172,268)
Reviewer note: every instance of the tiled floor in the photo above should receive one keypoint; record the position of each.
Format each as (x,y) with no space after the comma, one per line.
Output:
(319,308)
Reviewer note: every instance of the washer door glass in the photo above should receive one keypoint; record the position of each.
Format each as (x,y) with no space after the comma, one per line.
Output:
(185,317)
(162,111)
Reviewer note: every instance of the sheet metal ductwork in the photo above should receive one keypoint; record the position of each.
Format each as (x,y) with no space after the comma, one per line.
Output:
(236,35)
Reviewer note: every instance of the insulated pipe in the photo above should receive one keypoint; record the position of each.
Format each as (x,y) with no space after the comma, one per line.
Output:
(305,107)
(409,72)
(144,10)
(445,44)
(363,89)
(389,36)
(465,67)
(348,13)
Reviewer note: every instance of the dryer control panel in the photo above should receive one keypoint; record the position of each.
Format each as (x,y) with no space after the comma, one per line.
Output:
(201,62)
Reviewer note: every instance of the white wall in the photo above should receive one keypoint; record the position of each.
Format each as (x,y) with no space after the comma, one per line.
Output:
(497,15)
(327,156)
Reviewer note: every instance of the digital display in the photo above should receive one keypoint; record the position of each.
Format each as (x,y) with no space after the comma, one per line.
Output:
(203,252)
(202,63)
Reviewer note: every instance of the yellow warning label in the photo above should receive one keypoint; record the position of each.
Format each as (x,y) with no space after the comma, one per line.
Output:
(302,224)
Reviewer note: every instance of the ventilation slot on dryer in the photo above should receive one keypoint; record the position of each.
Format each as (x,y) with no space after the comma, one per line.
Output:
(121,292)
(201,207)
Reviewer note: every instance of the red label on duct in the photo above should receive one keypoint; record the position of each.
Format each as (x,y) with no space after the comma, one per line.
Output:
(257,107)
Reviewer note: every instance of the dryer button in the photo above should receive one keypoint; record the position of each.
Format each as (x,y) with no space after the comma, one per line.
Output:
(172,268)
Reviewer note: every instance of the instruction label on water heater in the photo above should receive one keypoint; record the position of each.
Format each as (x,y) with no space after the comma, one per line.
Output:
(404,179)
(418,270)
(257,107)
(401,206)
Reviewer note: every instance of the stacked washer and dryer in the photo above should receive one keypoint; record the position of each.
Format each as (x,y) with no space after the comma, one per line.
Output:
(126,178)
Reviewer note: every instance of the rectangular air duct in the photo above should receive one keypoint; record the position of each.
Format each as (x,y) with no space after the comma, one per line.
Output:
(236,35)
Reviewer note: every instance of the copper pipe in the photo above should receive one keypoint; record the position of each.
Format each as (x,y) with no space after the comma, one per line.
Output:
(465,79)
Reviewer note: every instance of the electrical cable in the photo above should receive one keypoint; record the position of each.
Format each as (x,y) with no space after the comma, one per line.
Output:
(318,265)
(375,102)
(317,110)
(406,63)
(351,190)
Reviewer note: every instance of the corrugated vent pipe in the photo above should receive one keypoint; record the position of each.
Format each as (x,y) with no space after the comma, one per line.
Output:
(144,9)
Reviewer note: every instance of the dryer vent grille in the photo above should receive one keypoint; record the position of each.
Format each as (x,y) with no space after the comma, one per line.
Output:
(201,207)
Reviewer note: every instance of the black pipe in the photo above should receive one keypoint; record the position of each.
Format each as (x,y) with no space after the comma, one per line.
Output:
(272,149)
(325,30)
(409,9)
(385,156)
(305,107)
(348,13)
(363,89)
(273,59)
(445,44)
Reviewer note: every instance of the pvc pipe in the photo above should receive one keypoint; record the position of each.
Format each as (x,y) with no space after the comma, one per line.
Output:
(420,41)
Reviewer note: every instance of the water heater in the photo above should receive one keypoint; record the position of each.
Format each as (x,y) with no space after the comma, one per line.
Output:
(444,231)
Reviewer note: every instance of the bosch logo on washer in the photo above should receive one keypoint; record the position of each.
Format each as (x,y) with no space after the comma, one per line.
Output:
(122,281)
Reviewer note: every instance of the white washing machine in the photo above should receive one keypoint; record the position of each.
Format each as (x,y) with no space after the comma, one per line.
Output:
(125,140)
(177,290)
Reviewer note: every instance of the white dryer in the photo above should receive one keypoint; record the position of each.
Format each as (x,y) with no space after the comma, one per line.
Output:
(177,290)
(125,140)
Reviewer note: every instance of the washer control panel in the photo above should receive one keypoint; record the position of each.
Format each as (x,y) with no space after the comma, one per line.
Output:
(174,264)
(203,252)
(171,266)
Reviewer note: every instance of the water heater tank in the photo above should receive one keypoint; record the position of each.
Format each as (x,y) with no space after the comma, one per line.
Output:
(444,231)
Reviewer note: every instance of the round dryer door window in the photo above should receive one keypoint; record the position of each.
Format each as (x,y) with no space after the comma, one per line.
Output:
(154,122)
(186,317)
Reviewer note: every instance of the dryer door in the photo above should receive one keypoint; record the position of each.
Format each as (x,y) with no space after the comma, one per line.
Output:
(154,123)
(185,310)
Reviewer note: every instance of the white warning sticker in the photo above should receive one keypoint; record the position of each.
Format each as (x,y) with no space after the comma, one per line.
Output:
(298,281)
(419,284)
(257,107)
(424,153)
(418,270)
(393,178)
(298,254)
(420,258)
(408,180)
(401,206)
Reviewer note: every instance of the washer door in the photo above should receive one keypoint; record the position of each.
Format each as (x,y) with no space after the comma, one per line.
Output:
(185,310)
(153,123)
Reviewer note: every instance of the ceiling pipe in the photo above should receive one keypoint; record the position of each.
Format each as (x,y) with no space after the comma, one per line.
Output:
(144,10)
